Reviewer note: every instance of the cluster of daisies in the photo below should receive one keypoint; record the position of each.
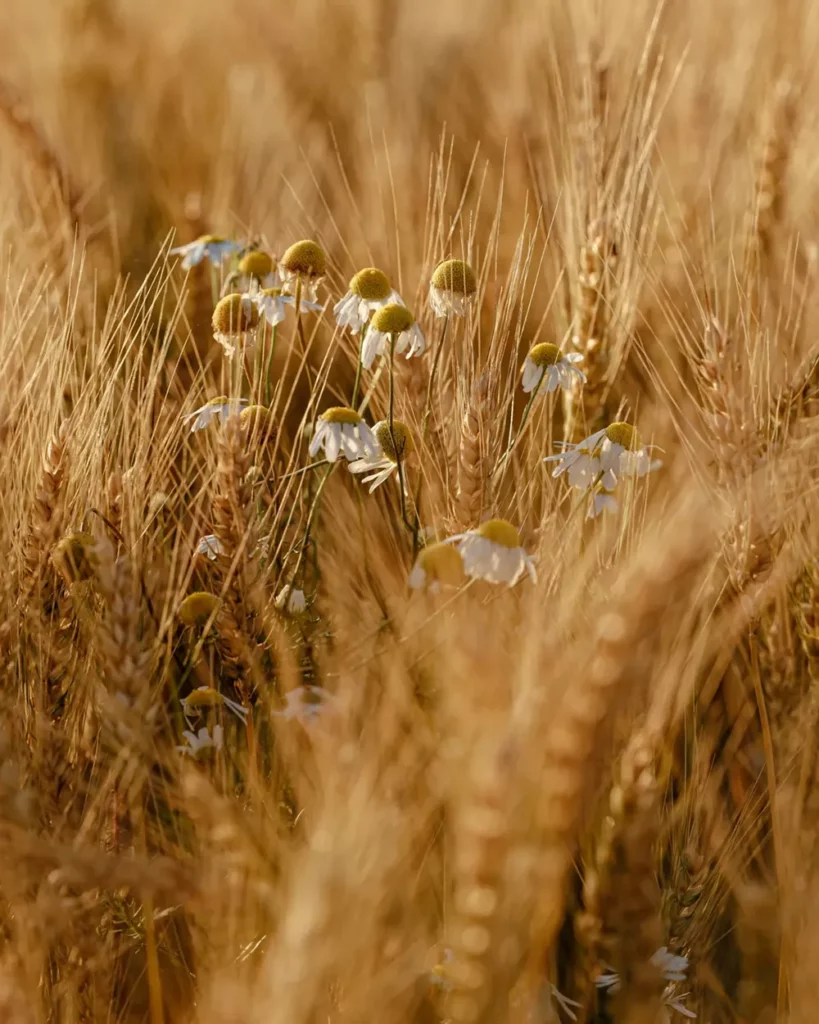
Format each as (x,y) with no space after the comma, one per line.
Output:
(386,327)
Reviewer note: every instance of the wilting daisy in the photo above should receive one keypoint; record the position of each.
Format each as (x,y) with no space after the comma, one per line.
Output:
(437,565)
(388,322)
(452,288)
(257,269)
(342,430)
(555,368)
(197,608)
(493,552)
(210,247)
(207,697)
(235,319)
(604,456)
(303,262)
(199,742)
(383,462)
(221,408)
(369,290)
(305,703)
(210,546)
(272,304)
(291,600)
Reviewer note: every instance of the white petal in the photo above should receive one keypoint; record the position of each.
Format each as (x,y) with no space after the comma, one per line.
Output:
(573,357)
(417,577)
(332,443)
(317,440)
(372,346)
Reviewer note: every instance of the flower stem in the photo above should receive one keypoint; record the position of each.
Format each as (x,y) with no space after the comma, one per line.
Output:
(521,425)
(398,459)
(268,366)
(424,430)
(357,384)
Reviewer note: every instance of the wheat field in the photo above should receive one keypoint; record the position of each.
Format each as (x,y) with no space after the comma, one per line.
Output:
(438,643)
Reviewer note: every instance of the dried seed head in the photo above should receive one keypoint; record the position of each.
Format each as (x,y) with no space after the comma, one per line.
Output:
(455,276)
(256,264)
(392,319)
(545,354)
(305,259)
(197,608)
(624,434)
(442,563)
(371,284)
(340,414)
(74,557)
(500,531)
(233,315)
(403,439)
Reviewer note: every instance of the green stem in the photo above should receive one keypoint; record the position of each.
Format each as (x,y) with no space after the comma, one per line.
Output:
(357,384)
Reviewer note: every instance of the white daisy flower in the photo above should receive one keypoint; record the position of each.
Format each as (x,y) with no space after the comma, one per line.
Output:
(557,367)
(290,599)
(452,288)
(235,320)
(437,565)
(257,269)
(341,430)
(201,741)
(221,408)
(210,546)
(674,967)
(207,697)
(602,501)
(305,262)
(382,463)
(604,457)
(388,322)
(493,552)
(272,303)
(369,290)
(305,704)
(210,247)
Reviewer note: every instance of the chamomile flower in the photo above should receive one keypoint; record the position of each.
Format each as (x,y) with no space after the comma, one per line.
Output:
(494,553)
(305,704)
(257,269)
(341,430)
(272,304)
(369,290)
(391,321)
(198,743)
(303,262)
(383,462)
(210,247)
(546,363)
(437,565)
(291,600)
(197,608)
(210,546)
(604,457)
(207,697)
(235,319)
(602,501)
(217,408)
(452,288)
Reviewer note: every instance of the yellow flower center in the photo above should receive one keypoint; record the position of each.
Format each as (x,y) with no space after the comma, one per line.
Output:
(218,401)
(233,315)
(255,418)
(271,293)
(545,354)
(305,258)
(197,608)
(371,284)
(74,557)
(256,264)
(442,563)
(392,319)
(624,434)
(340,414)
(210,239)
(403,440)
(205,697)
(500,531)
(455,276)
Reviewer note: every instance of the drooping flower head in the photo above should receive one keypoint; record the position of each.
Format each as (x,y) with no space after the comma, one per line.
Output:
(341,430)
(220,408)
(259,268)
(234,318)
(202,742)
(604,457)
(304,261)
(558,369)
(207,697)
(369,290)
(75,557)
(388,322)
(493,552)
(211,247)
(383,462)
(197,608)
(437,565)
(273,302)
(452,288)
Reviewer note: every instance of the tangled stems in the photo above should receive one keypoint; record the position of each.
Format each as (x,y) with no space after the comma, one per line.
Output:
(424,429)
(311,515)
(395,448)
(513,440)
